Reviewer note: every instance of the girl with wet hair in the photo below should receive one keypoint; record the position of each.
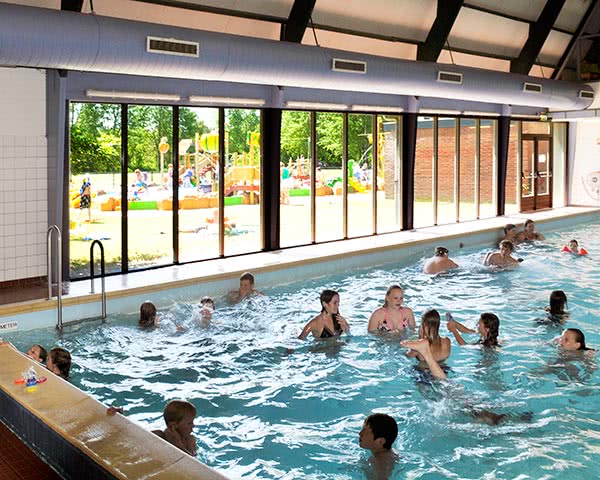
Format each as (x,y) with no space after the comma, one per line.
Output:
(488,329)
(573,339)
(558,302)
(430,331)
(329,323)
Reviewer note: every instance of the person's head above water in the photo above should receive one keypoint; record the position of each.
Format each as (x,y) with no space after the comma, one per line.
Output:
(394,296)
(38,353)
(510,228)
(59,362)
(246,283)
(430,326)
(207,302)
(573,339)
(558,302)
(379,432)
(574,245)
(147,315)
(440,251)
(488,327)
(506,247)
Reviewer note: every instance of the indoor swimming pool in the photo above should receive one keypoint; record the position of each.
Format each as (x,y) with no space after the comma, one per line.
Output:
(274,407)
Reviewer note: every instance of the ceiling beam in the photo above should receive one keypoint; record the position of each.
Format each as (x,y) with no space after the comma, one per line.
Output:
(71,5)
(538,33)
(447,11)
(295,26)
(583,25)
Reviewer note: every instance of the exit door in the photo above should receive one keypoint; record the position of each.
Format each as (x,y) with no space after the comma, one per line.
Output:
(536,174)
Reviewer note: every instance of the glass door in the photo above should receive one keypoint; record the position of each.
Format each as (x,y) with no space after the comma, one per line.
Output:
(536,176)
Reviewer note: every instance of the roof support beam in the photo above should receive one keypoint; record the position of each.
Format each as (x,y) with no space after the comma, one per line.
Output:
(447,11)
(583,25)
(295,26)
(71,5)
(538,33)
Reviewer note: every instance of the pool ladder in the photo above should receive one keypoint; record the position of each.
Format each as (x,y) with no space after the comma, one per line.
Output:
(102,273)
(51,229)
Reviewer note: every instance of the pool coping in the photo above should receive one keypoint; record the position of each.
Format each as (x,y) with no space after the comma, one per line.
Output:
(229,269)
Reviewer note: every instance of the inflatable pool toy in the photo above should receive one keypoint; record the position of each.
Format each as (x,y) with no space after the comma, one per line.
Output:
(582,251)
(31,380)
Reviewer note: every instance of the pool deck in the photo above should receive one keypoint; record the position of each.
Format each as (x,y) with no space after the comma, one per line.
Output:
(224,272)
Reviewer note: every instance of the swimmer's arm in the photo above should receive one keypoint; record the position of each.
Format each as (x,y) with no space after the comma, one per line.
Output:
(410,318)
(453,264)
(374,321)
(422,347)
(307,329)
(488,257)
(343,323)
(455,327)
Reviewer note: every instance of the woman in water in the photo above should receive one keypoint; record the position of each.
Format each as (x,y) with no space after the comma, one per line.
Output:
(392,317)
(488,329)
(573,340)
(439,347)
(558,302)
(329,323)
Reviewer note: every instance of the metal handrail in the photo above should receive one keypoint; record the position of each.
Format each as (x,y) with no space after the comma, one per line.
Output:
(59,324)
(102,272)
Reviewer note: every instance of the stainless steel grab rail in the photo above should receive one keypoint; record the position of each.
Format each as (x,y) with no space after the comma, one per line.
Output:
(102,272)
(54,228)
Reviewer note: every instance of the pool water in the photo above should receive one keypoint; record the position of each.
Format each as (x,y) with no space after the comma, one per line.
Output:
(271,406)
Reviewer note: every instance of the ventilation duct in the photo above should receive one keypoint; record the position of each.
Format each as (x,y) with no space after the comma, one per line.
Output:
(45,38)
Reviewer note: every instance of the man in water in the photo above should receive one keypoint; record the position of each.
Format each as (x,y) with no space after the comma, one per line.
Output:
(439,262)
(502,258)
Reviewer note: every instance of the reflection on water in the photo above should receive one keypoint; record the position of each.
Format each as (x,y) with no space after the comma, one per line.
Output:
(271,406)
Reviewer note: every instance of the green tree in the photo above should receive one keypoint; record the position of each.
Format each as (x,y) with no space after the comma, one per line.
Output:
(90,154)
(295,135)
(240,123)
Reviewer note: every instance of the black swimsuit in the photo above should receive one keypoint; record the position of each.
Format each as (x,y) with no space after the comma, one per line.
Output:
(326,333)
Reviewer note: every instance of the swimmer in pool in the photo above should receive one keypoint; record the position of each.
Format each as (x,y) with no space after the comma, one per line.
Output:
(37,353)
(558,302)
(488,328)
(329,323)
(529,234)
(246,289)
(179,418)
(439,262)
(59,362)
(502,258)
(148,317)
(439,347)
(378,434)
(207,307)
(573,340)
(574,248)
(392,317)
(510,233)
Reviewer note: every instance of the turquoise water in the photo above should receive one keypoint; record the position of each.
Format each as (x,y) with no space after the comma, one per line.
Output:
(270,406)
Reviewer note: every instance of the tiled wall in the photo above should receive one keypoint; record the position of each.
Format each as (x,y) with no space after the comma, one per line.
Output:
(23,174)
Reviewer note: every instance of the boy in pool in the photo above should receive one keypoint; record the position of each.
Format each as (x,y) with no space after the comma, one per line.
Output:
(179,418)
(439,262)
(59,362)
(148,318)
(502,258)
(574,248)
(378,434)
(246,289)
(207,307)
(37,353)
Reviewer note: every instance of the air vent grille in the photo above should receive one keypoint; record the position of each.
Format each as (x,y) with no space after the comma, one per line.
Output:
(586,94)
(171,46)
(349,66)
(532,87)
(450,77)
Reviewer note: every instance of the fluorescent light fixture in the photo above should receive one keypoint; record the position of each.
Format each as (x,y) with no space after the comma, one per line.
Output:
(167,97)
(316,105)
(438,111)
(227,100)
(526,116)
(377,108)
(481,114)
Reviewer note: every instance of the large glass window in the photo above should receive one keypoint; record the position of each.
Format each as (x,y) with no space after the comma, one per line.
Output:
(423,208)
(242,225)
(198,184)
(512,171)
(487,173)
(329,182)
(149,145)
(446,206)
(360,175)
(295,179)
(95,185)
(467,169)
(388,173)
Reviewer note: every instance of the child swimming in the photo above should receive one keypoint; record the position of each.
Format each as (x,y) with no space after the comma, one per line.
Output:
(573,247)
(37,353)
(207,307)
(487,327)
(148,317)
(502,258)
(558,302)
(59,362)
(378,434)
(392,317)
(179,418)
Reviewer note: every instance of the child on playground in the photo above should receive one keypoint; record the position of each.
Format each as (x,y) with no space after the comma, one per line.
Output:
(378,434)
(59,362)
(85,197)
(179,418)
(148,317)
